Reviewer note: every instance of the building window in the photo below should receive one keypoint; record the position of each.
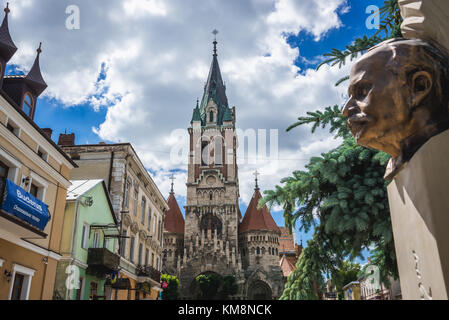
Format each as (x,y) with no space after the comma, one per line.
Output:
(218,150)
(14,128)
(152,259)
(135,202)
(21,282)
(157,264)
(41,153)
(131,249)
(34,190)
(4,169)
(142,210)
(149,219)
(258,250)
(93,290)
(123,246)
(79,291)
(17,287)
(147,253)
(28,105)
(85,236)
(126,195)
(140,254)
(154,225)
(106,243)
(204,153)
(211,116)
(96,242)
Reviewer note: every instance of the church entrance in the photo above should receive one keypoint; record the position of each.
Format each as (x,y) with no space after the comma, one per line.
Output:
(259,290)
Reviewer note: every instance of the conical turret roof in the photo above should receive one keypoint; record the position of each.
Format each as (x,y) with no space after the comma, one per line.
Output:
(7,46)
(174,221)
(257,219)
(34,77)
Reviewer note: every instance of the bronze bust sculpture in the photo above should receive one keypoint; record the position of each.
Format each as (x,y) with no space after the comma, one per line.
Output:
(399,98)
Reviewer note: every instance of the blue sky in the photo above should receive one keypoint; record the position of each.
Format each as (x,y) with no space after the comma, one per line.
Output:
(134,70)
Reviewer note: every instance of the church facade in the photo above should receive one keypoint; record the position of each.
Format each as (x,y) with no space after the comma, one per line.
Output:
(215,238)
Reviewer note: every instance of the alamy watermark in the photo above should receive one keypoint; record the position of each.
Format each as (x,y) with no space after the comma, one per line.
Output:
(373,20)
(224,147)
(72,22)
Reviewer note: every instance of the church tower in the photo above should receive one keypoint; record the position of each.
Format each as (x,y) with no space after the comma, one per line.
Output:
(212,214)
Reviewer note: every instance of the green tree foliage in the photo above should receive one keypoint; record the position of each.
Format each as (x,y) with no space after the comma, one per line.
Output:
(342,193)
(229,287)
(208,284)
(172,290)
(347,273)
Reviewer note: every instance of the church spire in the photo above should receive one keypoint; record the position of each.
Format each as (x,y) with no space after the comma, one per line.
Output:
(34,77)
(7,46)
(214,88)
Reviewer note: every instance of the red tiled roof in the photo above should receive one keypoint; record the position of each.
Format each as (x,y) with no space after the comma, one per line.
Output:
(257,219)
(174,221)
(286,266)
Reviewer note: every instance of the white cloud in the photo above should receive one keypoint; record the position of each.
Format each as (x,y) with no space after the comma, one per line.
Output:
(156,57)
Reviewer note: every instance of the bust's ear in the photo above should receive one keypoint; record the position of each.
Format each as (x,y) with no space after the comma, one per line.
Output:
(421,86)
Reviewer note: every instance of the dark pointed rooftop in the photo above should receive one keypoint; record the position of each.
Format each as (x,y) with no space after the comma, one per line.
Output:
(174,221)
(34,77)
(214,88)
(7,46)
(257,219)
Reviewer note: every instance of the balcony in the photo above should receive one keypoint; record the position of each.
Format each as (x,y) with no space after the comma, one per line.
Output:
(150,272)
(101,261)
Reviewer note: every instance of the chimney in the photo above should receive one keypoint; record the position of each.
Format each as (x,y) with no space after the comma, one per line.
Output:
(66,139)
(48,132)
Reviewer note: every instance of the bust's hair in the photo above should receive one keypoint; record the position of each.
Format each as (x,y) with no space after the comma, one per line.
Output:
(430,57)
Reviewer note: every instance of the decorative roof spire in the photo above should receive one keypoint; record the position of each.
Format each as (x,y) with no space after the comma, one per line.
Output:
(214,88)
(256,174)
(215,32)
(7,46)
(172,178)
(34,77)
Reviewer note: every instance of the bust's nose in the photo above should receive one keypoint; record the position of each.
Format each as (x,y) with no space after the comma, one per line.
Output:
(350,109)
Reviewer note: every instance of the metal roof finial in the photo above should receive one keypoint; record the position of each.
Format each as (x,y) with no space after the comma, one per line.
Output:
(215,32)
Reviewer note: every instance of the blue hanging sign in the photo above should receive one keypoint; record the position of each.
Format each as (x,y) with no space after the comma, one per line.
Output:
(25,206)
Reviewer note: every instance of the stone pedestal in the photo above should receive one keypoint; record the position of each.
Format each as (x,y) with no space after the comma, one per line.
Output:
(419,205)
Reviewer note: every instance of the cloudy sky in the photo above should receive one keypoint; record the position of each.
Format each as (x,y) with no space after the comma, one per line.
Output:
(134,69)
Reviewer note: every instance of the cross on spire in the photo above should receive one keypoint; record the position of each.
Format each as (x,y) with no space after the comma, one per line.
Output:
(172,178)
(256,173)
(7,8)
(39,50)
(215,32)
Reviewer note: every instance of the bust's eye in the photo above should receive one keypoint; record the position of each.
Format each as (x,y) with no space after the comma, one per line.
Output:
(362,91)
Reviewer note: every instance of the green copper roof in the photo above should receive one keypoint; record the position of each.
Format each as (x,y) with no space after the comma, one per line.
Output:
(227,115)
(196,114)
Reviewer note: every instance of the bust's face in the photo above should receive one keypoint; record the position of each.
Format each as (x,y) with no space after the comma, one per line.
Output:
(378,115)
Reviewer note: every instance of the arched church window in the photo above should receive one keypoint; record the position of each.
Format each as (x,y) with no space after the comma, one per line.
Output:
(211,222)
(218,150)
(211,116)
(28,104)
(210,195)
(258,250)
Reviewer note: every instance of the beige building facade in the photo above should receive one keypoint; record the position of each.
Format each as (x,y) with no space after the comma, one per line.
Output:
(138,205)
(33,169)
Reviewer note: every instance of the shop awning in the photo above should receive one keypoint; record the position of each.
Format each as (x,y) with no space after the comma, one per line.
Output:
(17,202)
